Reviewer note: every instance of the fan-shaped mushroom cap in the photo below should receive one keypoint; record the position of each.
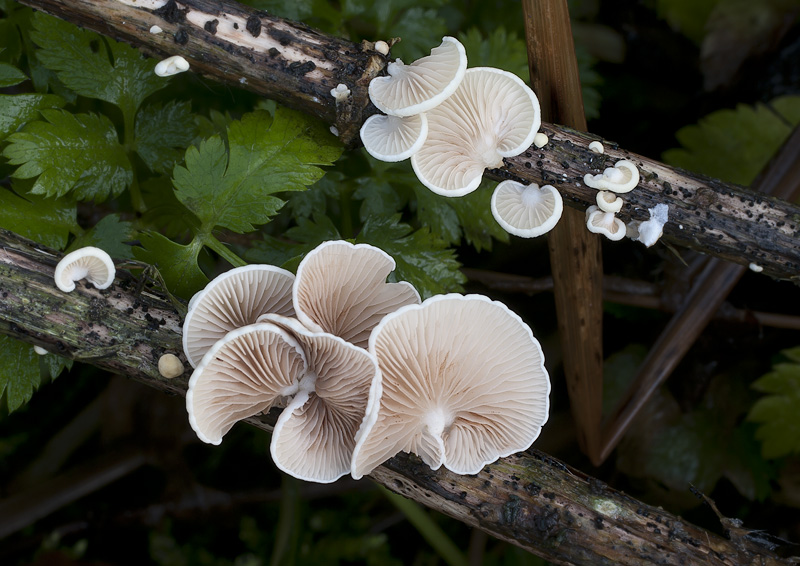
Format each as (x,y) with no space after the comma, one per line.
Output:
(526,211)
(492,115)
(462,383)
(605,223)
(315,435)
(608,202)
(391,138)
(341,289)
(248,371)
(234,299)
(422,85)
(92,264)
(622,178)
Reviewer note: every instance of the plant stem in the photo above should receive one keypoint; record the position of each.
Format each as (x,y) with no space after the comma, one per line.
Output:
(222,250)
(128,134)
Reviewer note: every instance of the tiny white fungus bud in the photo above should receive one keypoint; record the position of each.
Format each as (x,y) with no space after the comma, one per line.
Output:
(755,267)
(540,140)
(335,131)
(340,93)
(41,351)
(155,29)
(382,47)
(651,230)
(171,66)
(169,366)
(597,147)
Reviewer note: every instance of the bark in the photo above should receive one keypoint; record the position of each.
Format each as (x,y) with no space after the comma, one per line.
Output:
(528,499)
(298,66)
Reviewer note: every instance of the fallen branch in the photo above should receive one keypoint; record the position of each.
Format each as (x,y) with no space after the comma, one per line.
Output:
(528,499)
(299,66)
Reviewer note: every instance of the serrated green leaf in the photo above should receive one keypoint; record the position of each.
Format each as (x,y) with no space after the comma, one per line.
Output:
(474,213)
(298,241)
(95,66)
(777,414)
(17,109)
(44,220)
(421,29)
(435,212)
(163,133)
(19,372)
(51,366)
(501,49)
(10,75)
(422,259)
(314,201)
(176,263)
(734,145)
(266,156)
(108,235)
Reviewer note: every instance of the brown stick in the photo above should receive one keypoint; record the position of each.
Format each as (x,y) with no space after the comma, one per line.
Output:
(575,254)
(707,215)
(528,499)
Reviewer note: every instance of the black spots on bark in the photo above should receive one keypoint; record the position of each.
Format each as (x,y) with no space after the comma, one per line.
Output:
(299,69)
(254,25)
(273,52)
(510,510)
(171,13)
(181,37)
(211,26)
(282,37)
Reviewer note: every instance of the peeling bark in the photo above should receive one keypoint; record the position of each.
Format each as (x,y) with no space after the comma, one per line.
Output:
(528,499)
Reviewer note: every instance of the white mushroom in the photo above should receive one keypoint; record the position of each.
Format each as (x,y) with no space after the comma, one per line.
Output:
(382,47)
(340,93)
(391,138)
(92,264)
(234,299)
(422,85)
(605,223)
(597,147)
(41,351)
(492,115)
(341,289)
(246,372)
(608,202)
(462,383)
(155,29)
(755,267)
(651,230)
(170,366)
(621,178)
(540,140)
(171,66)
(526,211)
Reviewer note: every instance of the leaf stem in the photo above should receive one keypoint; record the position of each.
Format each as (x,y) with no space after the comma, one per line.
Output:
(128,141)
(222,250)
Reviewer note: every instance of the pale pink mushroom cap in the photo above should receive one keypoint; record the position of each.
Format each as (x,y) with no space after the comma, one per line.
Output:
(341,289)
(248,371)
(493,114)
(462,383)
(315,435)
(526,211)
(390,138)
(90,263)
(422,85)
(234,299)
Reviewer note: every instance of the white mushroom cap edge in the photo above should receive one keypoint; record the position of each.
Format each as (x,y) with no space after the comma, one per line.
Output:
(622,178)
(90,263)
(391,138)
(608,201)
(526,211)
(605,223)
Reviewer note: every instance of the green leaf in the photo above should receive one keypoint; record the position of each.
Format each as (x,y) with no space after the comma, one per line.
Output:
(71,152)
(95,66)
(734,145)
(176,263)
(421,30)
(298,241)
(687,16)
(108,235)
(474,213)
(776,413)
(10,75)
(44,220)
(51,366)
(266,156)
(17,109)
(501,49)
(163,133)
(19,372)
(422,259)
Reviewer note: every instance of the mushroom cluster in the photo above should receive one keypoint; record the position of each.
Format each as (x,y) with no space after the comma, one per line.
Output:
(361,367)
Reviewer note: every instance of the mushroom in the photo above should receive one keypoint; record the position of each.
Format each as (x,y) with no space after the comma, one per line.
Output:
(341,92)
(171,66)
(382,47)
(651,230)
(391,138)
(608,202)
(234,299)
(246,372)
(540,140)
(492,115)
(597,147)
(170,366)
(621,178)
(92,264)
(39,350)
(341,289)
(314,437)
(605,223)
(462,382)
(422,85)
(526,211)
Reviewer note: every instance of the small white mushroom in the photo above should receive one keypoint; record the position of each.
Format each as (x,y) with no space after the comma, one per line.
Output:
(621,178)
(41,351)
(341,92)
(155,29)
(605,223)
(382,47)
(526,211)
(540,140)
(597,147)
(170,366)
(608,202)
(171,66)
(755,267)
(650,230)
(391,138)
(92,264)
(334,130)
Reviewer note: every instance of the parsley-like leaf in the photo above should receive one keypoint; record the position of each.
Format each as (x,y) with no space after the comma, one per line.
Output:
(19,372)
(10,75)
(176,263)
(501,49)
(44,220)
(163,133)
(17,109)
(71,152)
(108,235)
(776,413)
